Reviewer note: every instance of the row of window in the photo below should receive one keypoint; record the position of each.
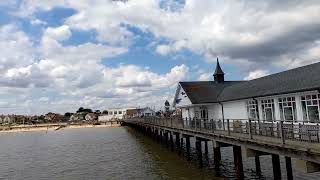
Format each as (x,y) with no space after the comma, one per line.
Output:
(114,112)
(287,107)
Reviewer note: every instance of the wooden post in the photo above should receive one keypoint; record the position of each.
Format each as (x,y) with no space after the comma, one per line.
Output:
(289,168)
(199,151)
(282,132)
(250,129)
(276,166)
(238,161)
(206,147)
(216,156)
(188,147)
(257,162)
(171,140)
(228,126)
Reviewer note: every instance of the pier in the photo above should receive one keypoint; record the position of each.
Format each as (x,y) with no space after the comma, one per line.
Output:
(298,142)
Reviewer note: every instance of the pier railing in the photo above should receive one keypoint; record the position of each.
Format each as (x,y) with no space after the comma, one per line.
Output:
(281,130)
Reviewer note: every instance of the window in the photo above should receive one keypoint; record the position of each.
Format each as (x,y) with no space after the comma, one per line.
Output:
(288,110)
(252,108)
(196,114)
(115,112)
(268,109)
(203,113)
(120,112)
(110,113)
(311,107)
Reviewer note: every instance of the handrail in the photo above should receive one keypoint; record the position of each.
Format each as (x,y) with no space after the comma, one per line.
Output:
(295,131)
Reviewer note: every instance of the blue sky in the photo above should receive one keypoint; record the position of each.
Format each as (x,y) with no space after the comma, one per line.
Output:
(63,54)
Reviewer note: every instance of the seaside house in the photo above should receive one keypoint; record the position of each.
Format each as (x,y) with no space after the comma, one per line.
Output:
(91,117)
(8,119)
(53,117)
(291,95)
(145,112)
(114,114)
(77,117)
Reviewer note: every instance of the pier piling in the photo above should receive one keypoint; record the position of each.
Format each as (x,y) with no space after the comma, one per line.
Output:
(199,151)
(237,155)
(276,166)
(257,162)
(289,168)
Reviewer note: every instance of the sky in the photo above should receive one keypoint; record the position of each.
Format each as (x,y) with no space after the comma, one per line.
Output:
(59,55)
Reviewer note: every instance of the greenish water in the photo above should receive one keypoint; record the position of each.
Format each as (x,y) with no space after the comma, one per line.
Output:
(110,153)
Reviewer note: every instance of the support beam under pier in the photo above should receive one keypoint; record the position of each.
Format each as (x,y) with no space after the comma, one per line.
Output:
(199,151)
(237,155)
(289,168)
(276,166)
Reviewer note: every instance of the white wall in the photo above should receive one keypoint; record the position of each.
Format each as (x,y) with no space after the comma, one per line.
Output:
(188,112)
(185,101)
(235,110)
(214,111)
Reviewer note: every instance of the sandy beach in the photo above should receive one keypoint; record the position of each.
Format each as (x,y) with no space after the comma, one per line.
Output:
(51,127)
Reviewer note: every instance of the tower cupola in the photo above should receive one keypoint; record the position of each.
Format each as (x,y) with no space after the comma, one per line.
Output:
(218,73)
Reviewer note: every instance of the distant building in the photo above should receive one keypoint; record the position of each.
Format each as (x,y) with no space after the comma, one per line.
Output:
(8,119)
(91,117)
(145,112)
(292,95)
(77,117)
(53,117)
(115,114)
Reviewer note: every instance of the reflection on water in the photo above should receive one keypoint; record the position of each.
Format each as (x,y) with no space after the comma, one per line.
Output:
(112,153)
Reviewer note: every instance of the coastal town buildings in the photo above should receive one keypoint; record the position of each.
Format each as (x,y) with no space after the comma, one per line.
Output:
(114,114)
(91,117)
(291,95)
(120,113)
(145,112)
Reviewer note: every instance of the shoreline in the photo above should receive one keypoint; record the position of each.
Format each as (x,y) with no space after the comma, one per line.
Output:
(52,127)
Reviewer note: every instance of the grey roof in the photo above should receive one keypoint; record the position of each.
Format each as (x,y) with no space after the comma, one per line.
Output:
(295,80)
(200,92)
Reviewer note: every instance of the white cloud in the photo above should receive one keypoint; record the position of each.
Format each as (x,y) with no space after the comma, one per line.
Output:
(75,72)
(60,33)
(253,31)
(256,74)
(205,77)
(248,33)
(37,22)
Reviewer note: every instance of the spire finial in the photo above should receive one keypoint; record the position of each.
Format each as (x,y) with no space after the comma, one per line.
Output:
(218,73)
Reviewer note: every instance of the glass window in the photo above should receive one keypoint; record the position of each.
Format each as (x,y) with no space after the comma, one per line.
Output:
(196,114)
(252,108)
(115,112)
(120,112)
(203,113)
(110,113)
(288,110)
(268,109)
(311,107)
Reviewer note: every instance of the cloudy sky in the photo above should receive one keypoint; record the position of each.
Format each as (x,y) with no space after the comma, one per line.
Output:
(58,55)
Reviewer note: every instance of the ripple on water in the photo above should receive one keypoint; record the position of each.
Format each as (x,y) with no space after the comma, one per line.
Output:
(111,153)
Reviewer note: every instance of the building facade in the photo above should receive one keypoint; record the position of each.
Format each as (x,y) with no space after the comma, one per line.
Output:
(114,114)
(291,96)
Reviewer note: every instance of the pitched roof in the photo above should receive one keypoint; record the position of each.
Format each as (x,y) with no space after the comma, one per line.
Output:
(200,92)
(300,79)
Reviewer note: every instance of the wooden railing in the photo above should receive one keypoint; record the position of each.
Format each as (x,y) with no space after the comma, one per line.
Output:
(282,130)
